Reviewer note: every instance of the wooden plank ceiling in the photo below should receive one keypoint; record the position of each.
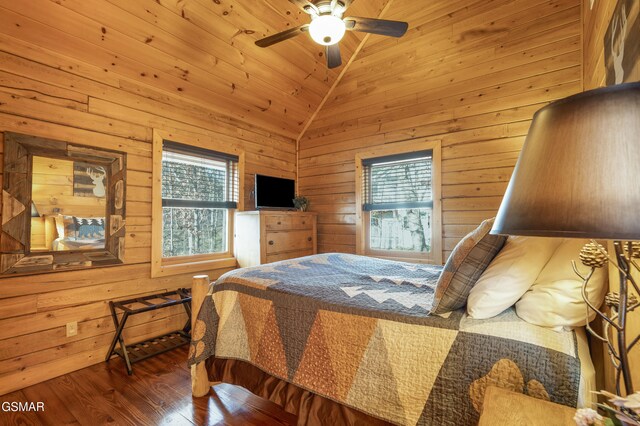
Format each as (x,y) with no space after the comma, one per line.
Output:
(469,73)
(200,50)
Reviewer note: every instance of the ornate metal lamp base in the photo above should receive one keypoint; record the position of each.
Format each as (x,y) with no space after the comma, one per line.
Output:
(620,304)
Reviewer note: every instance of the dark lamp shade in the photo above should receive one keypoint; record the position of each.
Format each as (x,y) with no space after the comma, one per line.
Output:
(578,175)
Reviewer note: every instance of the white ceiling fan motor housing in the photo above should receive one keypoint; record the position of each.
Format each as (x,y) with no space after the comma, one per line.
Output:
(327,28)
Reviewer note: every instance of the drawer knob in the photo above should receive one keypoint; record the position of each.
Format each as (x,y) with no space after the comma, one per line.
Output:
(271,243)
(309,239)
(279,223)
(303,222)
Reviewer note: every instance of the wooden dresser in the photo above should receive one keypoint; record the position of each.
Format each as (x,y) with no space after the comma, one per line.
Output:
(266,236)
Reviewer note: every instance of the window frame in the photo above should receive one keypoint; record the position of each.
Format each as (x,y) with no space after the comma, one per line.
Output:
(363,217)
(163,266)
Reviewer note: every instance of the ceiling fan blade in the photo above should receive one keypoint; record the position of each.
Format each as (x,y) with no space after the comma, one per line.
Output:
(333,56)
(377,26)
(340,5)
(282,36)
(306,6)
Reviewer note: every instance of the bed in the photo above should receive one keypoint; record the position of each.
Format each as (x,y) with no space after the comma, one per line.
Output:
(346,339)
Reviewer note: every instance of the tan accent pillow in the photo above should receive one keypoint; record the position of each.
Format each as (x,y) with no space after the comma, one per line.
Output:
(511,273)
(467,262)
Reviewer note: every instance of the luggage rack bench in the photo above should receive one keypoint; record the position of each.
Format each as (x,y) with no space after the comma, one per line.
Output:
(154,346)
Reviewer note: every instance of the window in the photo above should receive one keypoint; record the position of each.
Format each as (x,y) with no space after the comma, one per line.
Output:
(399,202)
(198,189)
(196,193)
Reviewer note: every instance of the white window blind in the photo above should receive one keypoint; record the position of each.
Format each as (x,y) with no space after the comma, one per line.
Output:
(400,181)
(198,178)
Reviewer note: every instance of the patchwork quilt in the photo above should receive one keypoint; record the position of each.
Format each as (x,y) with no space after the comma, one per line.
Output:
(357,330)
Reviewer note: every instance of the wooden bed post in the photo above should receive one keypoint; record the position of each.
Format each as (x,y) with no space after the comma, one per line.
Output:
(199,378)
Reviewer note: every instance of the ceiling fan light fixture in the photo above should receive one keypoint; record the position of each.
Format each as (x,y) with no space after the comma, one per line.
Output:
(327,29)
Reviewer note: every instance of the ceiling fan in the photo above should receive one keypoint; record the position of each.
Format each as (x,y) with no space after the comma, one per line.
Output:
(327,27)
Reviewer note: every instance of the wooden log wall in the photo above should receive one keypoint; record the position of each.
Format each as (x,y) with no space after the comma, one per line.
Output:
(52,190)
(106,74)
(469,73)
(596,20)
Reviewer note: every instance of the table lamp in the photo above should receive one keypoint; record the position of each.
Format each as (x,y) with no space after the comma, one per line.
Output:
(578,176)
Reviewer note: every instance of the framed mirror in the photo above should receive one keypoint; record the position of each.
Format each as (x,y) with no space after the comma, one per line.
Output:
(63,206)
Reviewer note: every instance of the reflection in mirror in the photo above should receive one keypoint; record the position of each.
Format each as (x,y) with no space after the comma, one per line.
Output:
(63,206)
(69,205)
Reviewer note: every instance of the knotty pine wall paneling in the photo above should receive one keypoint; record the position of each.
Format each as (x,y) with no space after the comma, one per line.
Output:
(470,74)
(106,74)
(596,20)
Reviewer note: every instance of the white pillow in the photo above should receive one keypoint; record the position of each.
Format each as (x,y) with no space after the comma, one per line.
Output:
(510,275)
(555,299)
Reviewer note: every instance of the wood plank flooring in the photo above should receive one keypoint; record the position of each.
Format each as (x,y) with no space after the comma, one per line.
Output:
(158,393)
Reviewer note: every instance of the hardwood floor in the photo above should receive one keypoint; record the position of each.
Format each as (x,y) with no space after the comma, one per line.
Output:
(158,393)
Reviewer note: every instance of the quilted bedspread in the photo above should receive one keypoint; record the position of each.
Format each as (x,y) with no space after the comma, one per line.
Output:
(357,330)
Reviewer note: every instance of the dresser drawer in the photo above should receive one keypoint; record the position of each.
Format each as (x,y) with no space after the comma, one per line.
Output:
(289,241)
(286,222)
(288,255)
(269,236)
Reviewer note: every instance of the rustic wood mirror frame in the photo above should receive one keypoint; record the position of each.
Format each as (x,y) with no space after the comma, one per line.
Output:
(16,257)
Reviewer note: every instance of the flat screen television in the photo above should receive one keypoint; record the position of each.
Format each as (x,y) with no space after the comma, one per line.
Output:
(274,193)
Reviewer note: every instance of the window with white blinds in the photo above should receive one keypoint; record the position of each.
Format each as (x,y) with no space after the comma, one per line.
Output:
(402,181)
(196,177)
(399,209)
(199,188)
(397,194)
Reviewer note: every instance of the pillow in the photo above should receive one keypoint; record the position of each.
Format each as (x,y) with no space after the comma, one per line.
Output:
(89,228)
(555,299)
(467,262)
(509,275)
